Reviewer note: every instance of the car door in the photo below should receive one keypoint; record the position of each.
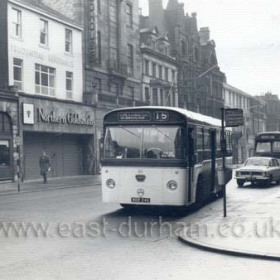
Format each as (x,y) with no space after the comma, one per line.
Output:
(277,169)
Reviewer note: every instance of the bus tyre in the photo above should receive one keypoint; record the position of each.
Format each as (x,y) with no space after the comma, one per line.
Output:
(200,196)
(240,183)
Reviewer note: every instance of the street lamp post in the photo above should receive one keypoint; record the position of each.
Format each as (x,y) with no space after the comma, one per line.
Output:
(253,125)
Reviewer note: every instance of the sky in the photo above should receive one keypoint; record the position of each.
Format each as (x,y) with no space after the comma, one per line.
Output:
(247,37)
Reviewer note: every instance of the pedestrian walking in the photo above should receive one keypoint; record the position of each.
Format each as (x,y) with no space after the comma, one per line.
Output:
(45,166)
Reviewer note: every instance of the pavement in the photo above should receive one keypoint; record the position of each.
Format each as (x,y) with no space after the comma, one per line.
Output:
(251,227)
(10,188)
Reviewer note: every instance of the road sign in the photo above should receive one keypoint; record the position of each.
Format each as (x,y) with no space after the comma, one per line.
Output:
(234,117)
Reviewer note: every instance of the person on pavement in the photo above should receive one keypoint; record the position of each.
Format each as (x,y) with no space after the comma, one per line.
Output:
(45,166)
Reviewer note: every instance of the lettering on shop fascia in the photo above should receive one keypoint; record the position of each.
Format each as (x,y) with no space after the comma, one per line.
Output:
(69,118)
(40,56)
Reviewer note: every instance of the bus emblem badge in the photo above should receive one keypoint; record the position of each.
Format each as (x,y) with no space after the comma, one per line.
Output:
(140,192)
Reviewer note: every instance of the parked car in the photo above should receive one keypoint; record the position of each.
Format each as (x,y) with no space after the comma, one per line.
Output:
(258,170)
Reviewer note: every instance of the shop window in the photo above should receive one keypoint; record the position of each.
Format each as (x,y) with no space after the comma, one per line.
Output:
(44,80)
(68,41)
(43,32)
(18,72)
(69,85)
(4,153)
(5,123)
(16,22)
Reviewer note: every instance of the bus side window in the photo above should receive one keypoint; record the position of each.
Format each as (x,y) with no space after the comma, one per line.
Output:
(276,146)
(199,144)
(218,143)
(207,148)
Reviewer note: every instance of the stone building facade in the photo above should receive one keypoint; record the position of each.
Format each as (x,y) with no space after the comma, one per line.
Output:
(254,121)
(200,81)
(10,135)
(272,108)
(47,75)
(159,69)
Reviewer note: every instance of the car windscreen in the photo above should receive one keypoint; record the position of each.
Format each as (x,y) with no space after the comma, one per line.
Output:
(258,161)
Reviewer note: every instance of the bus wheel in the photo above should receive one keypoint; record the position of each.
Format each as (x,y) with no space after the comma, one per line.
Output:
(240,183)
(200,196)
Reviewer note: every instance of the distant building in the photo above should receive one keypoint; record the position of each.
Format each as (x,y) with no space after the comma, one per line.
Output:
(254,121)
(41,60)
(272,111)
(159,69)
(200,82)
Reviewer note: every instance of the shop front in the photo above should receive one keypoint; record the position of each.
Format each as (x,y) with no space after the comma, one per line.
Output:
(64,130)
(9,135)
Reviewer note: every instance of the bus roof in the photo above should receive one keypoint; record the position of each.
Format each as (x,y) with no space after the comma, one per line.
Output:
(186,113)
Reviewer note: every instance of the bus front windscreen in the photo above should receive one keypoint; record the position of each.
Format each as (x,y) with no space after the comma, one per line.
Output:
(144,142)
(263,147)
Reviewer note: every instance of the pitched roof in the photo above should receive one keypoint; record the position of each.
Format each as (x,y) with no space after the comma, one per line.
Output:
(38,5)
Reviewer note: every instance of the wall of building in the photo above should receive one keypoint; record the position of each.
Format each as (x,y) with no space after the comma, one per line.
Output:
(52,55)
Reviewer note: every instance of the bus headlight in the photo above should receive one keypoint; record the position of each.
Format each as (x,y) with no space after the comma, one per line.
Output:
(110,183)
(172,185)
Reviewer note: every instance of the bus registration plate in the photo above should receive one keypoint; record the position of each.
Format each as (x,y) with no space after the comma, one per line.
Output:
(140,199)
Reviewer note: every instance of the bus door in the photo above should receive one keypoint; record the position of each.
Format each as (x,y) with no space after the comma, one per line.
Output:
(191,159)
(213,159)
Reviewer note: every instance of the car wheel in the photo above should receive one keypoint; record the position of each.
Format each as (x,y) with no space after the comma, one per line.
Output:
(240,183)
(269,181)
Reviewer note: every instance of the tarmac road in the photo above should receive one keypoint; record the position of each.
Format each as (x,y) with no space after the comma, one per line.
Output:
(79,237)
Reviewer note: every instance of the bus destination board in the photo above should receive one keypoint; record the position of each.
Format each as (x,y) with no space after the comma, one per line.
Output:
(142,116)
(135,116)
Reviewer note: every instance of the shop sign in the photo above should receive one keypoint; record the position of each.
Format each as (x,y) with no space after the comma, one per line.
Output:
(71,118)
(28,113)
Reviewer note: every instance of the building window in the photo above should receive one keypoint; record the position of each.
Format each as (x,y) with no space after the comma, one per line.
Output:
(18,73)
(99,48)
(155,97)
(154,70)
(131,92)
(97,85)
(160,71)
(99,6)
(129,15)
(130,59)
(166,74)
(69,85)
(68,40)
(44,80)
(43,32)
(173,76)
(147,95)
(16,22)
(147,67)
(161,97)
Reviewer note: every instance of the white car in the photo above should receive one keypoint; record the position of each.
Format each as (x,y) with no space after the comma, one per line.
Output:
(258,170)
